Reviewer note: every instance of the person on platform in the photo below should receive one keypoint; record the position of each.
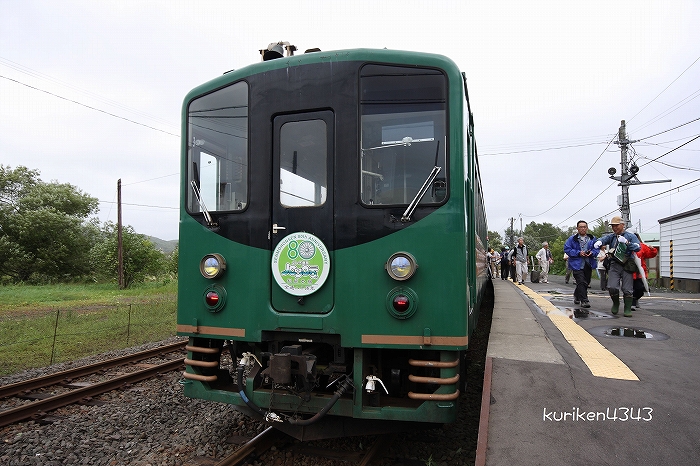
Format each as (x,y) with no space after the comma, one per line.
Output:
(505,263)
(621,246)
(544,257)
(638,289)
(583,254)
(495,260)
(568,269)
(602,271)
(519,255)
(489,262)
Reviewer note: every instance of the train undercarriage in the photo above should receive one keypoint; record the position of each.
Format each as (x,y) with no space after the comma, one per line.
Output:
(310,386)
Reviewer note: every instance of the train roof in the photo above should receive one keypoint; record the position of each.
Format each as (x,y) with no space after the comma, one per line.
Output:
(361,54)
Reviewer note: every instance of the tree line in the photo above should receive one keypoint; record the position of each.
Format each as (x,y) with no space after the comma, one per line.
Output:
(534,234)
(48,235)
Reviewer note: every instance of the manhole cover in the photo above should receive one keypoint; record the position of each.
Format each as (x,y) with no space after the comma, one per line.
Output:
(636,333)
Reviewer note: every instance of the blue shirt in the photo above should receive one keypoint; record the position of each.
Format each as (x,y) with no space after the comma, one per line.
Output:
(572,248)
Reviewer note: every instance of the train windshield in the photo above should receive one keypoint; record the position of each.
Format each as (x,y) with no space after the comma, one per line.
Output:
(404,128)
(217,156)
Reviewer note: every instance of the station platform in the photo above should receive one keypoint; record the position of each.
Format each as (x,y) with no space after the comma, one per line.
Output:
(562,388)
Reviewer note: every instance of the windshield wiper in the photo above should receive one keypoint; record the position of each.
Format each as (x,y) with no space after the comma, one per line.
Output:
(406,217)
(407,141)
(207,215)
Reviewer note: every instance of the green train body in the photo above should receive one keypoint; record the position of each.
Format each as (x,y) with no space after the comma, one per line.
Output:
(303,178)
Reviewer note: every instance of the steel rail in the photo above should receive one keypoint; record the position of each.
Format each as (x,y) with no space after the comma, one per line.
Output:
(378,447)
(52,379)
(40,407)
(260,443)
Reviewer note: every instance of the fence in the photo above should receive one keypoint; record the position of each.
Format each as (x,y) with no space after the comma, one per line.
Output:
(37,339)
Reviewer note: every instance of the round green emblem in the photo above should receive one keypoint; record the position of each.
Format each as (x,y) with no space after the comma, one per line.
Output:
(300,264)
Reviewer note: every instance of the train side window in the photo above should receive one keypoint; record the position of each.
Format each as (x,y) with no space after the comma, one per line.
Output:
(303,163)
(404,134)
(218,150)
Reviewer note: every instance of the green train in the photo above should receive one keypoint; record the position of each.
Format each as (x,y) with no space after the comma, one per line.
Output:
(332,240)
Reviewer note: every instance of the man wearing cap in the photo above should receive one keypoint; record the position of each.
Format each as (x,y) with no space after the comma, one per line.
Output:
(582,254)
(621,247)
(544,257)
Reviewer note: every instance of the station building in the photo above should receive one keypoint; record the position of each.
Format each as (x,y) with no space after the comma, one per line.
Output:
(679,251)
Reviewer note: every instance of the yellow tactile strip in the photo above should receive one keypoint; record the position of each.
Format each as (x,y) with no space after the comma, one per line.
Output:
(599,360)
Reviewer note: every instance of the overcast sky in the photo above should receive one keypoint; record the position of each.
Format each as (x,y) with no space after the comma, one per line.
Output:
(549,83)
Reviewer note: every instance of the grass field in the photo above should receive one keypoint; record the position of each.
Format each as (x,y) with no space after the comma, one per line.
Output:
(41,325)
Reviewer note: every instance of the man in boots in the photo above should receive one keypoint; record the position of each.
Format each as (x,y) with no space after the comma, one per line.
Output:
(622,245)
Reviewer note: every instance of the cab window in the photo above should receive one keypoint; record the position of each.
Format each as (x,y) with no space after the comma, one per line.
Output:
(217,156)
(404,129)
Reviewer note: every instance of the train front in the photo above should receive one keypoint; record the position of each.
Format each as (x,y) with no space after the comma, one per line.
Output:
(327,267)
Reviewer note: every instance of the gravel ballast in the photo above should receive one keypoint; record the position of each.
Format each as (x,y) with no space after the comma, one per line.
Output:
(153,423)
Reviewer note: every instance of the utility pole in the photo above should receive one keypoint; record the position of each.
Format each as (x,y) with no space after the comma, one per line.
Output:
(512,233)
(628,176)
(521,224)
(120,253)
(625,204)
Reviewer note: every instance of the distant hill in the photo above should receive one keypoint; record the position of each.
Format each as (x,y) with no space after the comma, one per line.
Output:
(166,246)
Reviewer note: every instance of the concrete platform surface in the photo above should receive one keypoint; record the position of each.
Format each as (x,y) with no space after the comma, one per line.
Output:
(564,389)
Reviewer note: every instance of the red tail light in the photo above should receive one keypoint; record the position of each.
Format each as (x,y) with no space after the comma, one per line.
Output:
(212,298)
(401,303)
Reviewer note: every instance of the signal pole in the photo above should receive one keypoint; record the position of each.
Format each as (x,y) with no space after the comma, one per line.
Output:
(512,233)
(628,176)
(120,246)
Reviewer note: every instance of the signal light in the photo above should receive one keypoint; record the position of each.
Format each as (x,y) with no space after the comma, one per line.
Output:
(212,298)
(401,303)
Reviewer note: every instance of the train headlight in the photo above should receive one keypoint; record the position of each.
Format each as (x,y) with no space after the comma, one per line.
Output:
(212,265)
(401,266)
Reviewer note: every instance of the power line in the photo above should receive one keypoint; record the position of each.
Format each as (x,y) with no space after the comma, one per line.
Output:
(650,197)
(652,100)
(587,204)
(91,108)
(577,183)
(667,191)
(660,144)
(675,107)
(669,165)
(151,179)
(37,74)
(675,127)
(542,150)
(657,158)
(141,205)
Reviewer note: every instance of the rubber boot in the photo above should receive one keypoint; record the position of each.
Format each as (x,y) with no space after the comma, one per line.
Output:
(628,306)
(615,303)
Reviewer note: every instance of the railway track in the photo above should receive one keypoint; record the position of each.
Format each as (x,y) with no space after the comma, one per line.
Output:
(270,437)
(39,407)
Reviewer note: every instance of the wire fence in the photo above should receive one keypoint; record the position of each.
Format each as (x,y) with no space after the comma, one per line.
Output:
(44,338)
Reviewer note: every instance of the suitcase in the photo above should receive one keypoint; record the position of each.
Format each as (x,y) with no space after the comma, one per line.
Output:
(535,276)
